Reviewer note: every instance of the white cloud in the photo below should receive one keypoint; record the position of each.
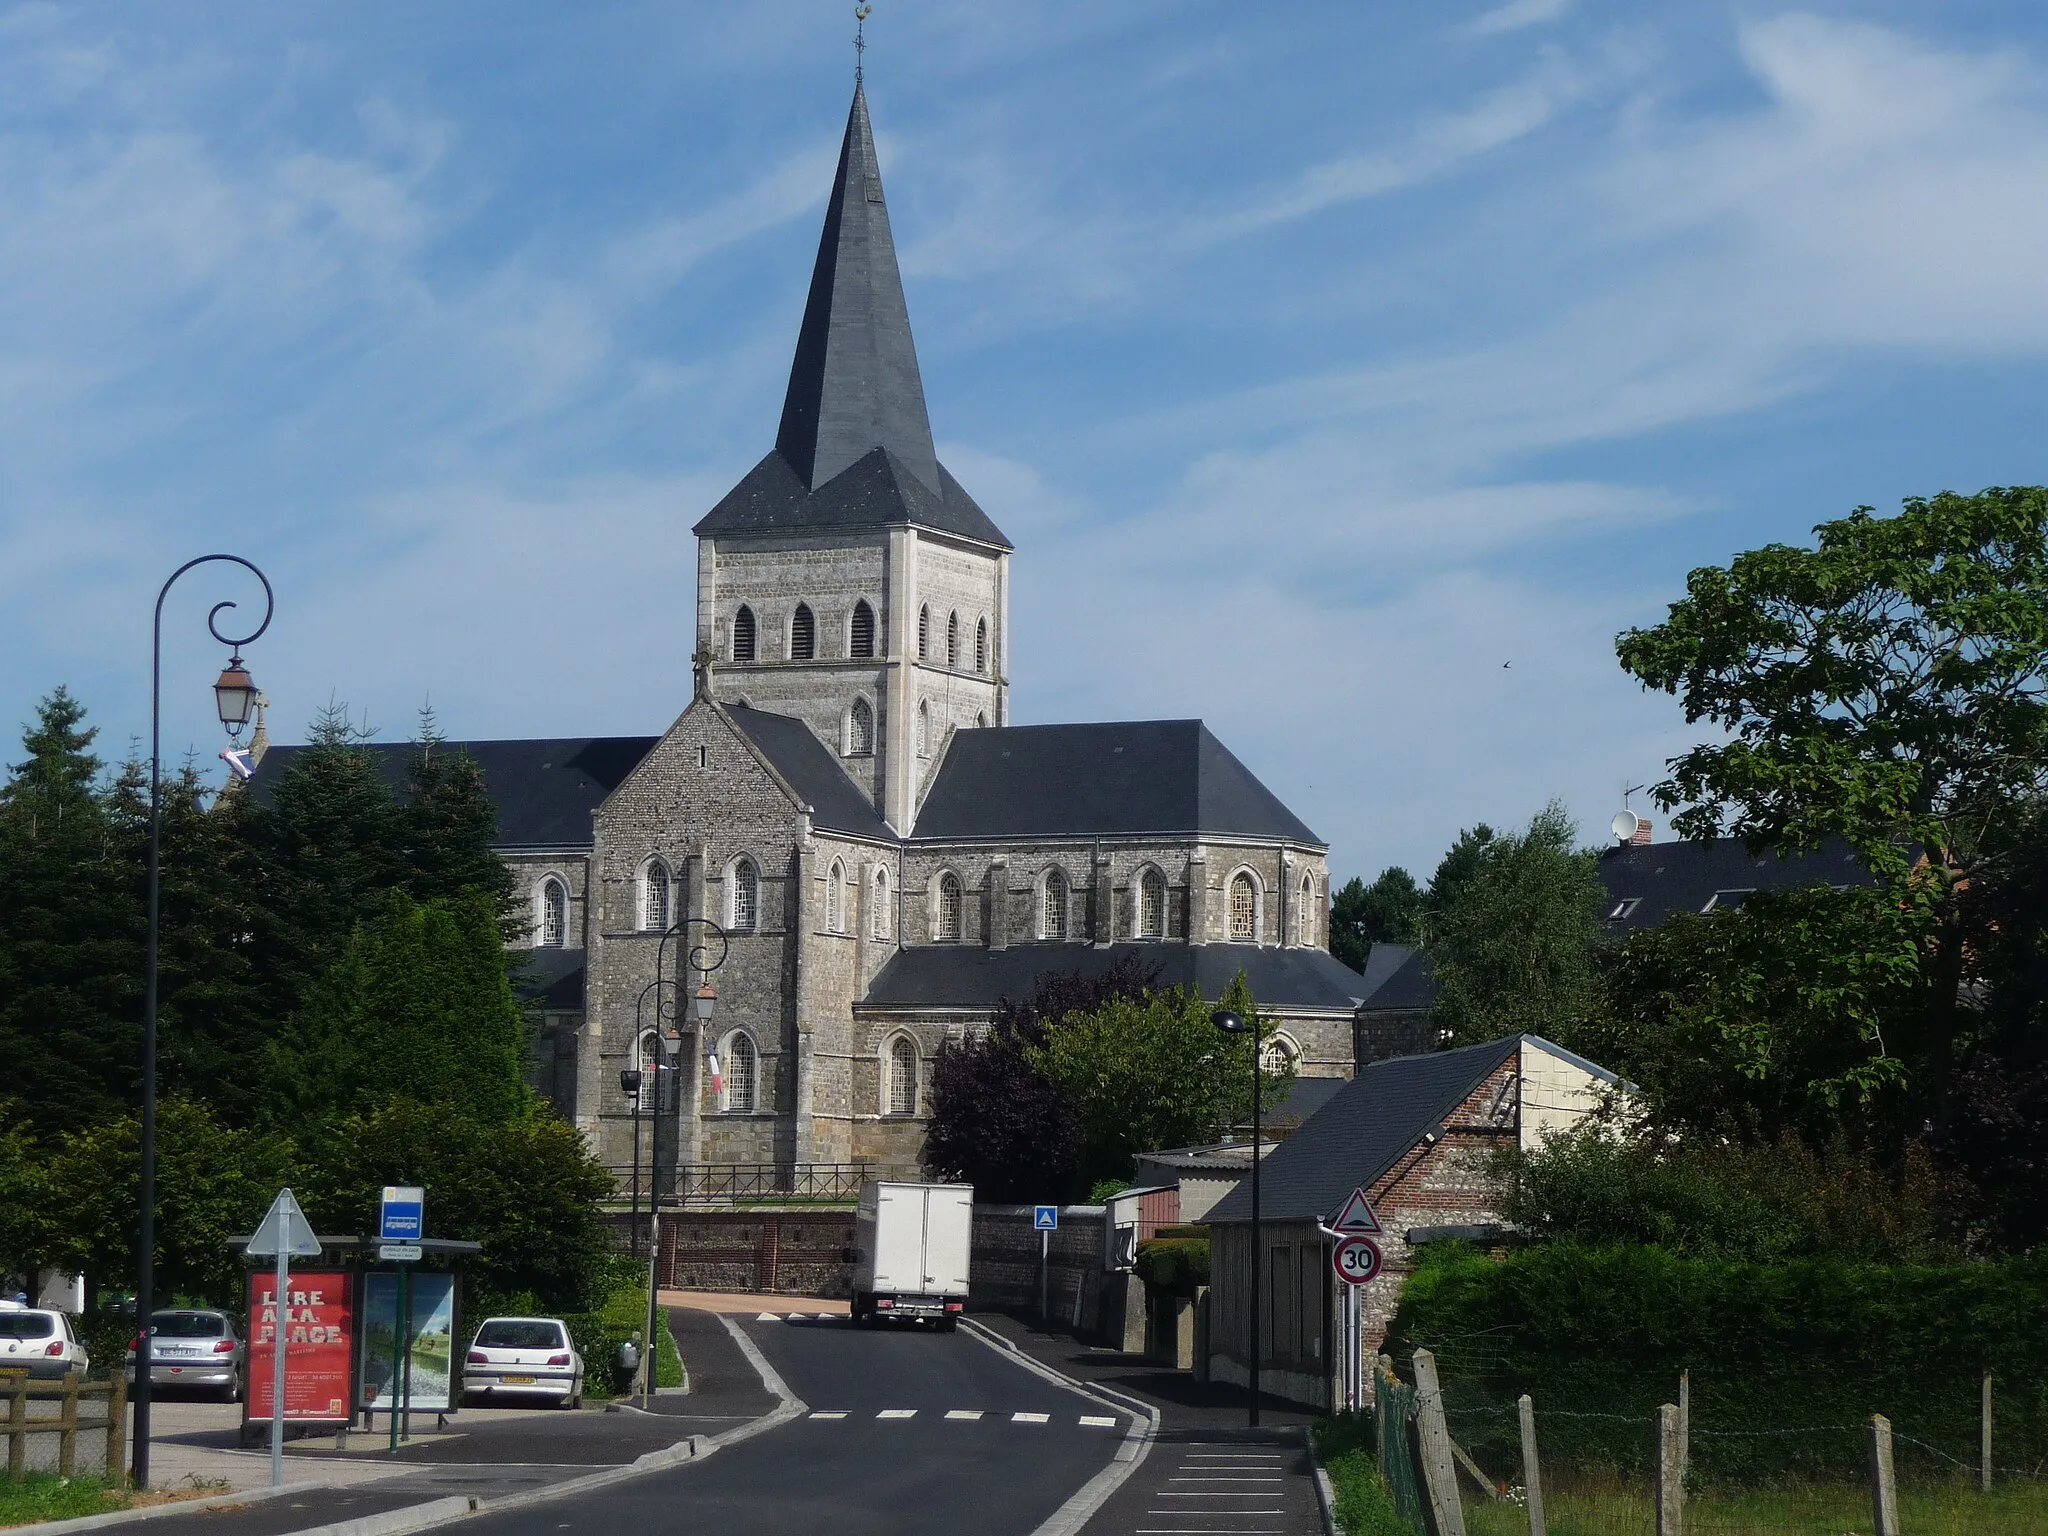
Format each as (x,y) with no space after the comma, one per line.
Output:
(1515,16)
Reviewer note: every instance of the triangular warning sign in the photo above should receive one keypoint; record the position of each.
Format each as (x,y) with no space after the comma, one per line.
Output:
(1357,1216)
(284,1229)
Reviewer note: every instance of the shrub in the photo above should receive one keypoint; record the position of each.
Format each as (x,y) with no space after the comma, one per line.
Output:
(1176,1265)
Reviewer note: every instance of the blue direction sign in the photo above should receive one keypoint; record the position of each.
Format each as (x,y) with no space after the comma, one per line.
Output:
(400,1216)
(1045,1218)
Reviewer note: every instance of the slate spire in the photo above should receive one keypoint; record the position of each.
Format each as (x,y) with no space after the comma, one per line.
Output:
(854,385)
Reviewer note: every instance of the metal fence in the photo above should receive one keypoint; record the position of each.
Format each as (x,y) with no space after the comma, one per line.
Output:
(1393,1419)
(775,1183)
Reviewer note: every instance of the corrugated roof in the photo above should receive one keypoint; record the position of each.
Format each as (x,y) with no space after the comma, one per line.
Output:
(972,978)
(812,769)
(1099,780)
(1362,1132)
(544,790)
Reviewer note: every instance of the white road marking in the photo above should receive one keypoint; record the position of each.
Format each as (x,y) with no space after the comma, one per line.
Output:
(897,1413)
(1223,1479)
(1098,1421)
(769,1317)
(1029,1418)
(963,1413)
(837,1414)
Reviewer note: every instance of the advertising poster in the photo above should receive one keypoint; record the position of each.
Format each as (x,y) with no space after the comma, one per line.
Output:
(433,1345)
(319,1329)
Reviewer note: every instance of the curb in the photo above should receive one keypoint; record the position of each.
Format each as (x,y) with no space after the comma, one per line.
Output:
(1137,1443)
(1326,1492)
(792,1406)
(182,1507)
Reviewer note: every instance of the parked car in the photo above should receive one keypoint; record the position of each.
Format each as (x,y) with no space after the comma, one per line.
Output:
(41,1340)
(523,1357)
(195,1347)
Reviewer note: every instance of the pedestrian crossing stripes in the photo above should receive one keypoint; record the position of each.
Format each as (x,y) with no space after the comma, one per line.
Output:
(971,1415)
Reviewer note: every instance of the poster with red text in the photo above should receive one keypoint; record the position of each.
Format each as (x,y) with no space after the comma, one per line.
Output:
(319,1333)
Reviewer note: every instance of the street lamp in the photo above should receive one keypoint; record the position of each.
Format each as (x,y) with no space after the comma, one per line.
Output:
(234,697)
(629,1084)
(1236,1024)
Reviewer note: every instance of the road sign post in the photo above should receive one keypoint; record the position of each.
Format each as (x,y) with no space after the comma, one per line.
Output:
(401,1223)
(1356,1258)
(1046,1218)
(283,1234)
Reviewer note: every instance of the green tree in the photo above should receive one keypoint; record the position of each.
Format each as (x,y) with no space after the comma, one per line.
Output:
(448,825)
(70,931)
(418,1007)
(1513,937)
(1889,686)
(1389,911)
(213,1182)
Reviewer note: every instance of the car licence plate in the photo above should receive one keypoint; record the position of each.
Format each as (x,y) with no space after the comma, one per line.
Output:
(517,1381)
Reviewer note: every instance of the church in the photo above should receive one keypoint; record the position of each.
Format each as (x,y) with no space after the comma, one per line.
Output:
(844,796)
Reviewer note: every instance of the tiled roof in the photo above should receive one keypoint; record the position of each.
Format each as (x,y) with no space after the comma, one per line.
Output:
(974,979)
(813,771)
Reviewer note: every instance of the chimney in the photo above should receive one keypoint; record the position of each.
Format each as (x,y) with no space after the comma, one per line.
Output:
(1641,836)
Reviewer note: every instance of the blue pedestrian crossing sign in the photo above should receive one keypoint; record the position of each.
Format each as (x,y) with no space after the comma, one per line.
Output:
(1045,1218)
(399,1214)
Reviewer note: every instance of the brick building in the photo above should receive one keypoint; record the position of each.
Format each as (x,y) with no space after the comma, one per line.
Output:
(1414,1132)
(845,796)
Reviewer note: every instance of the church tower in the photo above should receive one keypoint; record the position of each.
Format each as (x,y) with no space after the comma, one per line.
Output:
(848,580)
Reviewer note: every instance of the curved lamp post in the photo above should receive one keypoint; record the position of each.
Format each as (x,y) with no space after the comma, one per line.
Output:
(234,698)
(1236,1024)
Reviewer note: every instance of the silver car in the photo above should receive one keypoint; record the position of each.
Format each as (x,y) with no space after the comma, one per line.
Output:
(196,1347)
(524,1356)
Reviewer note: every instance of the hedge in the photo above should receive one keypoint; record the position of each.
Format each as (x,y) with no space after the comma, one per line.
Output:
(1787,1361)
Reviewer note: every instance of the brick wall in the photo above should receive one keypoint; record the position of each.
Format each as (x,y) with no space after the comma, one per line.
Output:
(786,1252)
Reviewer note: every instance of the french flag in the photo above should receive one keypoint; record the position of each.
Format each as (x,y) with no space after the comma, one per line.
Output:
(238,763)
(717,1077)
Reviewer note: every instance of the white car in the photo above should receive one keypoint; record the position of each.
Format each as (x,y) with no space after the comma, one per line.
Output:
(40,1339)
(523,1357)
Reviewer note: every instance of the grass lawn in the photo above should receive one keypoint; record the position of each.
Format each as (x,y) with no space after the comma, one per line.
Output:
(45,1496)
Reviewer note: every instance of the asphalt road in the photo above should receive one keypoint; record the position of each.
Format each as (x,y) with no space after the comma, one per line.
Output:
(913,1471)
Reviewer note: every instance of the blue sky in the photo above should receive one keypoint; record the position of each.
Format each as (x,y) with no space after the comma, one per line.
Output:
(1318,359)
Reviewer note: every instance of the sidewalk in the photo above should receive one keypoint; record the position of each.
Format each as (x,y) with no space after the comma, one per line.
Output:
(1207,1469)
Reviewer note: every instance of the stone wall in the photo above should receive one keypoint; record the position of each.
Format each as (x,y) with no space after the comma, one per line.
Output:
(773,1251)
(1006,1263)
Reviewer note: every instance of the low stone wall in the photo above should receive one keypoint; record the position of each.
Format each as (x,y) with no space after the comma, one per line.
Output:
(1005,1266)
(781,1251)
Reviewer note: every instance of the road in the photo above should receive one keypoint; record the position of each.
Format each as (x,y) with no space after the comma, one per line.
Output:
(907,1432)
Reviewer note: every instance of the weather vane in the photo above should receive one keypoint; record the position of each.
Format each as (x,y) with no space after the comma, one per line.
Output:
(861,13)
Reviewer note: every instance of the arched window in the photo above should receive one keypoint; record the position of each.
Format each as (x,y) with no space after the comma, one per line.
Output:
(803,634)
(861,638)
(924,633)
(554,914)
(980,721)
(981,645)
(860,729)
(1278,1054)
(953,641)
(654,897)
(924,728)
(742,1074)
(1151,905)
(745,905)
(835,898)
(1305,913)
(902,1089)
(1052,906)
(743,634)
(878,923)
(947,929)
(1244,910)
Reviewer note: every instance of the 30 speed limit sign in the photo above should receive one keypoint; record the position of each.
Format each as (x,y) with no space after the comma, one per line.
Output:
(1356,1260)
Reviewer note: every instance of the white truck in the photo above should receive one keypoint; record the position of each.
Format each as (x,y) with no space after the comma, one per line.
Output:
(911,1255)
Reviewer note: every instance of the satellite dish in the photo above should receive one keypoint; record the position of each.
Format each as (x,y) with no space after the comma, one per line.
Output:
(1623,826)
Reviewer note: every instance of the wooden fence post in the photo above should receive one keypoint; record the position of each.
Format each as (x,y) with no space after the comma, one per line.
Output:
(17,1425)
(1684,1422)
(67,1429)
(117,1429)
(1439,1472)
(1532,1470)
(1884,1487)
(1670,1472)
(1984,1439)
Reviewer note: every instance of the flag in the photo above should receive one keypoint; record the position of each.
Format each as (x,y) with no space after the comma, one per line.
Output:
(717,1077)
(237,759)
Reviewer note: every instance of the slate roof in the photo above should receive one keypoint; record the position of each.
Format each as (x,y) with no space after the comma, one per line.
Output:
(1667,879)
(550,979)
(813,771)
(1399,978)
(854,448)
(544,790)
(1111,779)
(971,978)
(1371,1122)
